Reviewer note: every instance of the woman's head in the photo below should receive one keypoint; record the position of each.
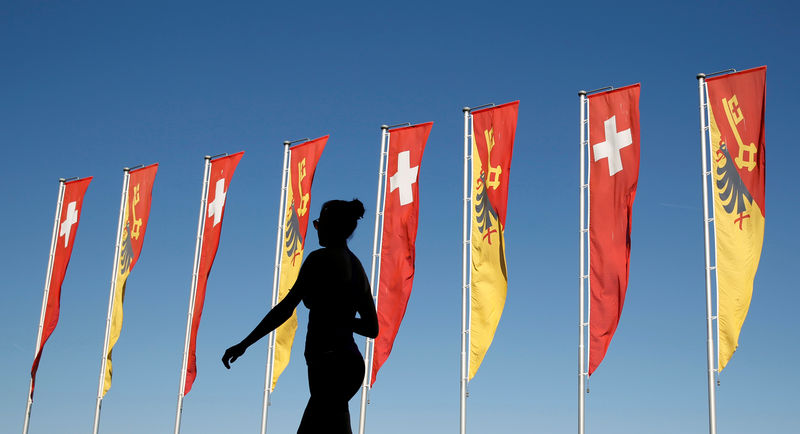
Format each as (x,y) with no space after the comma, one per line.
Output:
(337,221)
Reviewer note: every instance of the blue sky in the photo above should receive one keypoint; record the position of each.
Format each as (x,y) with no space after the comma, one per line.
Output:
(90,87)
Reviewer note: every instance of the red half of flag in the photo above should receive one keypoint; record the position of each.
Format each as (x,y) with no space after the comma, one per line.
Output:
(220,175)
(400,216)
(67,227)
(614,166)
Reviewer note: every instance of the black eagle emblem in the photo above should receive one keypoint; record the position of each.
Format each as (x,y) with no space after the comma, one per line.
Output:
(292,235)
(483,208)
(732,190)
(126,253)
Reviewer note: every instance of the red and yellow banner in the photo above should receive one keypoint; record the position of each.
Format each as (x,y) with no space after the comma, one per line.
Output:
(400,218)
(219,178)
(134,224)
(736,106)
(303,164)
(614,175)
(66,229)
(493,132)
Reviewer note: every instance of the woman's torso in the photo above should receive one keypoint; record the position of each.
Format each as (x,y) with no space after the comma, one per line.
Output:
(331,299)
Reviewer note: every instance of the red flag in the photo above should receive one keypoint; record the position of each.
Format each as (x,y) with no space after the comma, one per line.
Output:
(614,167)
(219,179)
(400,215)
(69,216)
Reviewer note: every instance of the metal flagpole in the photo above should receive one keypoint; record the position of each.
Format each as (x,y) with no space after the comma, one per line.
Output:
(377,240)
(465,277)
(53,240)
(115,269)
(193,290)
(275,281)
(706,172)
(583,274)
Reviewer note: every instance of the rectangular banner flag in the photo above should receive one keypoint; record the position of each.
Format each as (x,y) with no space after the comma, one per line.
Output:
(400,218)
(134,224)
(493,131)
(71,205)
(613,176)
(736,106)
(219,178)
(303,164)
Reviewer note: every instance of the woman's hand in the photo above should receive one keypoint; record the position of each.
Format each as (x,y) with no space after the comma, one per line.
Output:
(233,353)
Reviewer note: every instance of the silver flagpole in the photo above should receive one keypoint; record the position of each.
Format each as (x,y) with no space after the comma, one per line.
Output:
(465,283)
(275,281)
(53,240)
(193,290)
(706,172)
(376,240)
(583,273)
(115,269)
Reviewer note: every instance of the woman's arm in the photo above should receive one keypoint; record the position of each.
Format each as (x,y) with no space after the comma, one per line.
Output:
(367,324)
(274,318)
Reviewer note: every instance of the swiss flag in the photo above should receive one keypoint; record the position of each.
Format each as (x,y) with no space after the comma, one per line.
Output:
(69,213)
(614,166)
(400,215)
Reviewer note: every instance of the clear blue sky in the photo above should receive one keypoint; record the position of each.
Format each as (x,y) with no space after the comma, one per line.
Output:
(87,88)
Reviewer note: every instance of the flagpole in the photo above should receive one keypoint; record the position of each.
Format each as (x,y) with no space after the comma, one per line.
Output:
(48,278)
(583,274)
(369,345)
(115,269)
(465,283)
(275,281)
(712,400)
(193,290)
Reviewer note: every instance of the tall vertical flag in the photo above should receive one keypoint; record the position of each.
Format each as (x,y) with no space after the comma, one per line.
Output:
(303,164)
(134,213)
(613,176)
(65,228)
(399,235)
(493,131)
(736,107)
(214,193)
(212,209)
(293,214)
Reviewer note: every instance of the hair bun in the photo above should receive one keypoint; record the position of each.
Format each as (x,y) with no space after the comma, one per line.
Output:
(356,208)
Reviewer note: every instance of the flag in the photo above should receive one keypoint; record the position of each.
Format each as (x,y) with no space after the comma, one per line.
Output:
(493,132)
(134,224)
(736,105)
(219,178)
(400,218)
(66,228)
(303,163)
(614,172)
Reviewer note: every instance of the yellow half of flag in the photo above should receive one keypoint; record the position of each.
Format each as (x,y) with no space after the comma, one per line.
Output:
(123,270)
(489,281)
(291,260)
(739,227)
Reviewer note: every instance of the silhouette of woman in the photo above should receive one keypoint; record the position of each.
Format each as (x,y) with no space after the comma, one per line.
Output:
(333,286)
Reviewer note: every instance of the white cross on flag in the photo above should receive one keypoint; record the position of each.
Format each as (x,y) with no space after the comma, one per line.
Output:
(215,207)
(614,140)
(404,178)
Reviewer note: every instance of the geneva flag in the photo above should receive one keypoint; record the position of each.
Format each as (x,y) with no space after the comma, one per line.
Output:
(303,163)
(400,217)
(219,179)
(134,224)
(64,237)
(614,173)
(493,132)
(736,105)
